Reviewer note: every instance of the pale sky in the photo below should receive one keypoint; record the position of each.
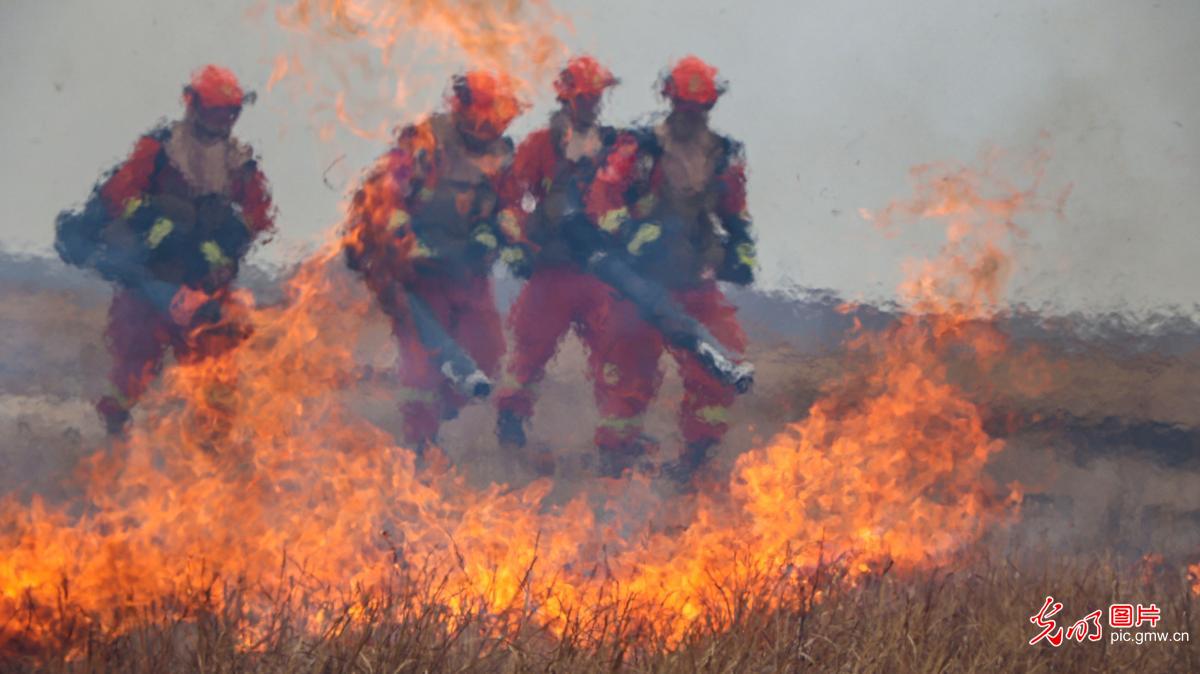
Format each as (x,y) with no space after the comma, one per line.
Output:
(834,101)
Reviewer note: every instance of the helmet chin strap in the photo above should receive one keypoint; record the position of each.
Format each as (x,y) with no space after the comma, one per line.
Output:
(687,122)
(203,131)
(472,141)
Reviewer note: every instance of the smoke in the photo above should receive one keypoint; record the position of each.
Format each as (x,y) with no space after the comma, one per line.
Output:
(1121,404)
(1102,411)
(834,101)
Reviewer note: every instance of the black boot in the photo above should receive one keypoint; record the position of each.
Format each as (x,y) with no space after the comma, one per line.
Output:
(510,430)
(114,415)
(694,456)
(614,461)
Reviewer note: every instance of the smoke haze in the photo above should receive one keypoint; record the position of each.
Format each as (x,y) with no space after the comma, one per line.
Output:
(835,101)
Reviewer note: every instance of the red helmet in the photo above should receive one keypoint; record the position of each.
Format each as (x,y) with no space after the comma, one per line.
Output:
(692,80)
(486,101)
(583,76)
(214,87)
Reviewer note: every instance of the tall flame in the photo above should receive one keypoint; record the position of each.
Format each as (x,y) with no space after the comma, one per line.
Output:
(358,57)
(250,479)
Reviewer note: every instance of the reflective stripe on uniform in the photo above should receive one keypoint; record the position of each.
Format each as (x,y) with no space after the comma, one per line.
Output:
(647,233)
(416,395)
(484,235)
(213,254)
(508,381)
(420,250)
(512,255)
(645,205)
(745,254)
(612,220)
(509,225)
(713,414)
(161,228)
(621,423)
(398,219)
(131,206)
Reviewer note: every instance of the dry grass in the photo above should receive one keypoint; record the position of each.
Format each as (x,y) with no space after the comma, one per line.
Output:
(972,619)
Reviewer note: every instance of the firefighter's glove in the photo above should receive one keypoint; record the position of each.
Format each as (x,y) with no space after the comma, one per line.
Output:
(483,243)
(518,260)
(739,264)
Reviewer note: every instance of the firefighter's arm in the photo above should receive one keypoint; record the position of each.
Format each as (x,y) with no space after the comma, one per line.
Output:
(606,201)
(124,192)
(253,194)
(125,189)
(740,259)
(636,188)
(520,189)
(524,184)
(222,254)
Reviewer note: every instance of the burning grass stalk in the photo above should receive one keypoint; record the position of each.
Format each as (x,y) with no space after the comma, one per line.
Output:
(974,618)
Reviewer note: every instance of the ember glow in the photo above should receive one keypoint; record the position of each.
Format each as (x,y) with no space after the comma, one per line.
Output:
(296,500)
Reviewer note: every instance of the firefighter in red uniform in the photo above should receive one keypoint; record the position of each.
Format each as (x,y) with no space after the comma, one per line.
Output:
(551,172)
(174,220)
(677,200)
(423,225)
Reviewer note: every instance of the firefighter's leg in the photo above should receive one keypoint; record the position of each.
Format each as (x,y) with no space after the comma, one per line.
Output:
(467,310)
(539,318)
(420,382)
(475,324)
(706,400)
(623,364)
(136,336)
(420,395)
(202,348)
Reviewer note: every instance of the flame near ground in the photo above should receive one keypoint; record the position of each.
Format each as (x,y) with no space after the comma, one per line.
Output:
(297,500)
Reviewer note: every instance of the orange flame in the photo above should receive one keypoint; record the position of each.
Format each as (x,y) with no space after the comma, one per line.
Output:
(368,48)
(306,503)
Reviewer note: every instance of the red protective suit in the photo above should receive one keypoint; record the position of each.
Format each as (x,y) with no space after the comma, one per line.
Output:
(138,336)
(552,166)
(423,223)
(660,195)
(189,211)
(466,308)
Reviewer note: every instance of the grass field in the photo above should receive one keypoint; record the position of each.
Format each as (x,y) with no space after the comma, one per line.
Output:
(974,618)
(1105,452)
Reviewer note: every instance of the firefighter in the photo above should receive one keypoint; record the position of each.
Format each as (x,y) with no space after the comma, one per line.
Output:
(552,170)
(170,227)
(676,198)
(423,225)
